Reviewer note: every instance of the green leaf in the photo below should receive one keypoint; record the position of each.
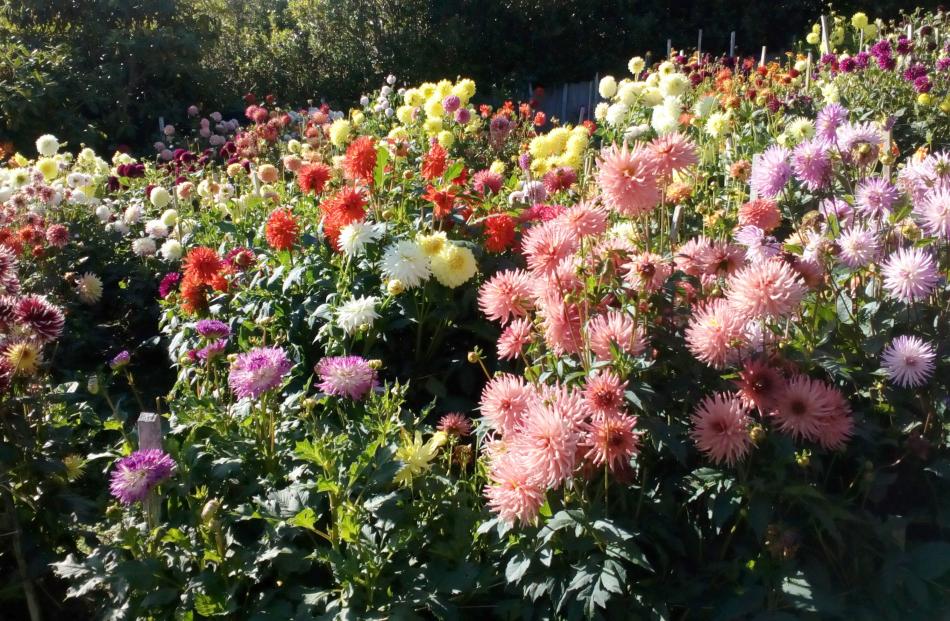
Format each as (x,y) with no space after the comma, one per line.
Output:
(382,158)
(304,519)
(517,567)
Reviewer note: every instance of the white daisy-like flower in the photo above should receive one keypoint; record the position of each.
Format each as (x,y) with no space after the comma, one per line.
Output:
(354,237)
(908,361)
(406,262)
(355,312)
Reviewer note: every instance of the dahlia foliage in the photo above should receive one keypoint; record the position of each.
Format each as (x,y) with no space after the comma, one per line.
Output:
(430,356)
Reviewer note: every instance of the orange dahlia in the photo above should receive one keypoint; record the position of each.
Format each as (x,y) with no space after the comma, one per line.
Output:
(203,264)
(282,229)
(340,209)
(194,296)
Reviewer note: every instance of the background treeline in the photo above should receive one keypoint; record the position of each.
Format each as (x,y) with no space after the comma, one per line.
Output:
(82,69)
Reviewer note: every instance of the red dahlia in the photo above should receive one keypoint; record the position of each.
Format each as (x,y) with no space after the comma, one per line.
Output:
(313,177)
(44,319)
(499,232)
(360,160)
(435,162)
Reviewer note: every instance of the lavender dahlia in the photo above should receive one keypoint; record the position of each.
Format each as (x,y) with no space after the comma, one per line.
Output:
(345,376)
(213,329)
(771,171)
(908,361)
(255,372)
(136,475)
(120,360)
(910,274)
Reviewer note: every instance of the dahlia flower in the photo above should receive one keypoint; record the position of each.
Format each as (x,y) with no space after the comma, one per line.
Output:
(139,473)
(758,384)
(212,329)
(546,443)
(514,338)
(345,376)
(356,312)
(89,288)
(762,213)
(504,401)
(802,407)
(610,440)
(453,265)
(767,289)
(874,197)
(935,213)
(546,245)
(716,334)
(909,361)
(771,171)
(614,329)
(628,180)
(455,424)
(512,493)
(355,236)
(910,274)
(811,163)
(257,371)
(721,428)
(45,320)
(506,295)
(604,393)
(406,262)
(672,153)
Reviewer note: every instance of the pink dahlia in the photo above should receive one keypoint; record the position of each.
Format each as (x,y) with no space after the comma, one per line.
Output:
(9,281)
(858,246)
(45,320)
(136,475)
(910,274)
(504,402)
(257,371)
(760,212)
(514,338)
(614,329)
(759,384)
(584,220)
(716,334)
(829,120)
(811,163)
(559,179)
(771,171)
(346,376)
(836,428)
(647,271)
(485,181)
(766,289)
(547,445)
(506,295)
(546,245)
(688,256)
(672,153)
(802,407)
(721,258)
(513,493)
(603,393)
(874,197)
(909,361)
(721,428)
(562,327)
(455,424)
(610,440)
(628,180)
(935,213)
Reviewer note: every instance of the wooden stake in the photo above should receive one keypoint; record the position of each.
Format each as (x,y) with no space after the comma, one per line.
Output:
(150,437)
(699,45)
(808,71)
(824,35)
(669,49)
(762,59)
(732,44)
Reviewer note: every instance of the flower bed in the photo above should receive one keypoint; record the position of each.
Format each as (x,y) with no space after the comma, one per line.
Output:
(431,358)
